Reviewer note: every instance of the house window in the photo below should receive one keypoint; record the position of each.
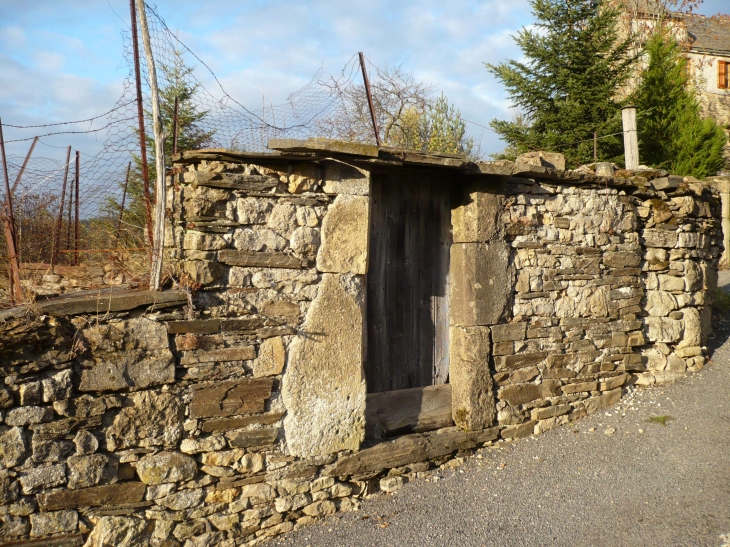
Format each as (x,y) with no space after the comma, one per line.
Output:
(722,74)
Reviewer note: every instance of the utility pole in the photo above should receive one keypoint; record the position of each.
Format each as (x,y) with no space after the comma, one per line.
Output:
(140,119)
(160,202)
(370,99)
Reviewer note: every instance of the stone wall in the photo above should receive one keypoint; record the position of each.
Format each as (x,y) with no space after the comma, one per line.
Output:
(611,287)
(232,409)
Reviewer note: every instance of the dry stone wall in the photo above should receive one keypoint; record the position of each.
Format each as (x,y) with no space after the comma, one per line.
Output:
(232,409)
(611,287)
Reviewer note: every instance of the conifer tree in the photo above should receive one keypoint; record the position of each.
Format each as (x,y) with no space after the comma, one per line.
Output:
(566,89)
(672,134)
(175,81)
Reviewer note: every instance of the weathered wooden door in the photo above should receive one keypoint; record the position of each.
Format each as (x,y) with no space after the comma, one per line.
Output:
(407,283)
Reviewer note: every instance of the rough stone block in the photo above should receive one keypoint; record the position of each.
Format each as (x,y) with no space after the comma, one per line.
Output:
(28,415)
(271,358)
(148,419)
(509,332)
(222,355)
(166,467)
(345,234)
(472,389)
(129,354)
(518,431)
(326,402)
(477,219)
(613,383)
(512,362)
(13,449)
(482,282)
(519,394)
(121,532)
(663,329)
(579,387)
(340,178)
(550,411)
(594,404)
(55,522)
(230,398)
(43,478)
(254,437)
(85,471)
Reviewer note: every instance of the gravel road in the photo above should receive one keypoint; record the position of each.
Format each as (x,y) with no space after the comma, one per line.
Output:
(612,479)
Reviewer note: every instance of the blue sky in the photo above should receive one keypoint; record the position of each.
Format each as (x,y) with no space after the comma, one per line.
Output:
(63,60)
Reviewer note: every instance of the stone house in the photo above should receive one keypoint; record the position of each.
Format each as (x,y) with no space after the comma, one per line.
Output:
(345,317)
(707,42)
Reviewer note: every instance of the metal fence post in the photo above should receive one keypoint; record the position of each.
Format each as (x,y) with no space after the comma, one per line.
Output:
(16,293)
(76,228)
(59,222)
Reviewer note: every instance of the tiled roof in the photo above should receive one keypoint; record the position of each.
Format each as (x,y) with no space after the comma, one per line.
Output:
(709,35)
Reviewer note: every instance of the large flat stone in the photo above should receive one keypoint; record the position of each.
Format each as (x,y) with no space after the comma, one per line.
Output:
(66,540)
(230,398)
(98,496)
(482,281)
(472,395)
(131,354)
(323,387)
(345,231)
(99,302)
(261,259)
(147,419)
(166,467)
(524,393)
(410,449)
(477,219)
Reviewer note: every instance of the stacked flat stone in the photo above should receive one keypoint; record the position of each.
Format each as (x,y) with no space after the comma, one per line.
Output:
(232,409)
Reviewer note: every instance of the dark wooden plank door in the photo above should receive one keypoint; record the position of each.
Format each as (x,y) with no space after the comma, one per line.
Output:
(407,283)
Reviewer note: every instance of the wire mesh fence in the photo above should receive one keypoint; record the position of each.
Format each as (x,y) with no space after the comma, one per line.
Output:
(87,224)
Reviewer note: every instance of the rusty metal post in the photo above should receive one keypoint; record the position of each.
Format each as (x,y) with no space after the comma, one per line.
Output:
(174,125)
(25,164)
(124,198)
(76,228)
(370,99)
(140,116)
(16,293)
(59,222)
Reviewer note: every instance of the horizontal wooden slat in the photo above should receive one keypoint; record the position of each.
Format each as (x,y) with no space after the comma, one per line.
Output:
(408,410)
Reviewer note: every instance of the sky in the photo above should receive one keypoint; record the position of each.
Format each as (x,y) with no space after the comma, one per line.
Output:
(62,61)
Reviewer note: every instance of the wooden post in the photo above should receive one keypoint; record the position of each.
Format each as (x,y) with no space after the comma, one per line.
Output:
(76,227)
(160,202)
(16,293)
(595,146)
(59,222)
(140,121)
(631,138)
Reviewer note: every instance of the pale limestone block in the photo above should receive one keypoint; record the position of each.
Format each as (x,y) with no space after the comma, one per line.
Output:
(472,389)
(303,178)
(692,335)
(345,230)
(482,282)
(478,218)
(253,210)
(663,329)
(660,303)
(323,388)
(340,178)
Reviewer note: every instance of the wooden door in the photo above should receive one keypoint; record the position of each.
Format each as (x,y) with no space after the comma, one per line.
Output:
(407,283)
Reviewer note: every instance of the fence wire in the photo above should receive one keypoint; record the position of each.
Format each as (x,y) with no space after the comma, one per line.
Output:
(107,242)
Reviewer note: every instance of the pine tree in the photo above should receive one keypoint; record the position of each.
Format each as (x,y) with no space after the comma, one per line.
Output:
(566,89)
(672,134)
